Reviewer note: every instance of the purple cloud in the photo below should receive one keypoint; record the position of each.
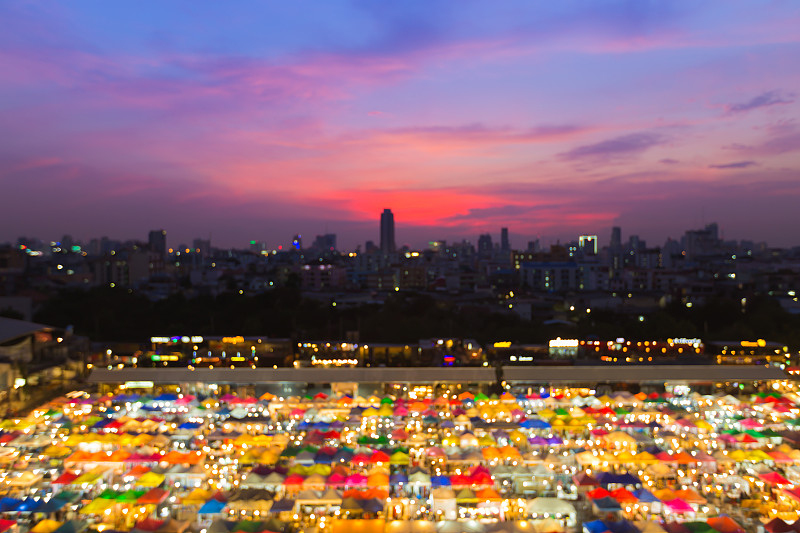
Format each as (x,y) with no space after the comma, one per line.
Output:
(625,145)
(766,99)
(668,161)
(737,164)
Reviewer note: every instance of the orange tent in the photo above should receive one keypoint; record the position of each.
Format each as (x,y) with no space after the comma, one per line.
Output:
(488,494)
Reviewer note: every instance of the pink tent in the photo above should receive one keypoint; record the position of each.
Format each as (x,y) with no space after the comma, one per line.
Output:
(751,423)
(356,480)
(336,480)
(679,506)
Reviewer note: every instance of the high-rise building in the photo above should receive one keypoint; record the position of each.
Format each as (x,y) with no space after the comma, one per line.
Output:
(616,238)
(588,244)
(324,243)
(202,247)
(157,239)
(485,245)
(387,231)
(504,244)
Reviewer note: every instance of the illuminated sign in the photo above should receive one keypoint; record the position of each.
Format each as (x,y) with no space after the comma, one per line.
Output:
(503,344)
(183,338)
(760,343)
(138,384)
(684,340)
(334,362)
(164,357)
(233,340)
(564,343)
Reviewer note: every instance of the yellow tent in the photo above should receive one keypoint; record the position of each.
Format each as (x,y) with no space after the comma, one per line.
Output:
(320,469)
(150,480)
(486,440)
(98,506)
(645,458)
(758,455)
(46,526)
(56,451)
(738,455)
(451,441)
(399,458)
(89,478)
(197,497)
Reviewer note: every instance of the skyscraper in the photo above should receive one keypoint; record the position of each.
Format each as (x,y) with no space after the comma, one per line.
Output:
(504,244)
(616,238)
(157,239)
(387,231)
(485,245)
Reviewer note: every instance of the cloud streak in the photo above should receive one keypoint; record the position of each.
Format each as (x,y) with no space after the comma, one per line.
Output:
(623,146)
(767,99)
(736,165)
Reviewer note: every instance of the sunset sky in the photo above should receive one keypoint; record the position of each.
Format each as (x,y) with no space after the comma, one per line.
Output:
(258,120)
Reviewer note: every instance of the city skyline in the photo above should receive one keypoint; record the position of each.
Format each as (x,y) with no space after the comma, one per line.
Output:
(272,121)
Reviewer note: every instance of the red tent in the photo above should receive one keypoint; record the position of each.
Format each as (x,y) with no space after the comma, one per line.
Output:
(774,478)
(598,493)
(149,524)
(725,524)
(153,496)
(65,479)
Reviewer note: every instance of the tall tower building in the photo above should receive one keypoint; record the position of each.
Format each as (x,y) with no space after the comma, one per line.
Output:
(616,238)
(157,239)
(504,244)
(387,231)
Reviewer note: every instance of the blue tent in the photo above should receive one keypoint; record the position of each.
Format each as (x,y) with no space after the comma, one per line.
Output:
(30,505)
(52,505)
(607,478)
(644,495)
(9,504)
(595,526)
(373,505)
(623,526)
(397,479)
(166,397)
(440,481)
(535,423)
(607,504)
(212,506)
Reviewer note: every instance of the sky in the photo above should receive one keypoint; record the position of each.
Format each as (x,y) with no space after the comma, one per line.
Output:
(255,120)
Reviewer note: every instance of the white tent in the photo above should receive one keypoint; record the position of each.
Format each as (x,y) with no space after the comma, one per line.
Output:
(550,506)
(419,479)
(548,525)
(444,501)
